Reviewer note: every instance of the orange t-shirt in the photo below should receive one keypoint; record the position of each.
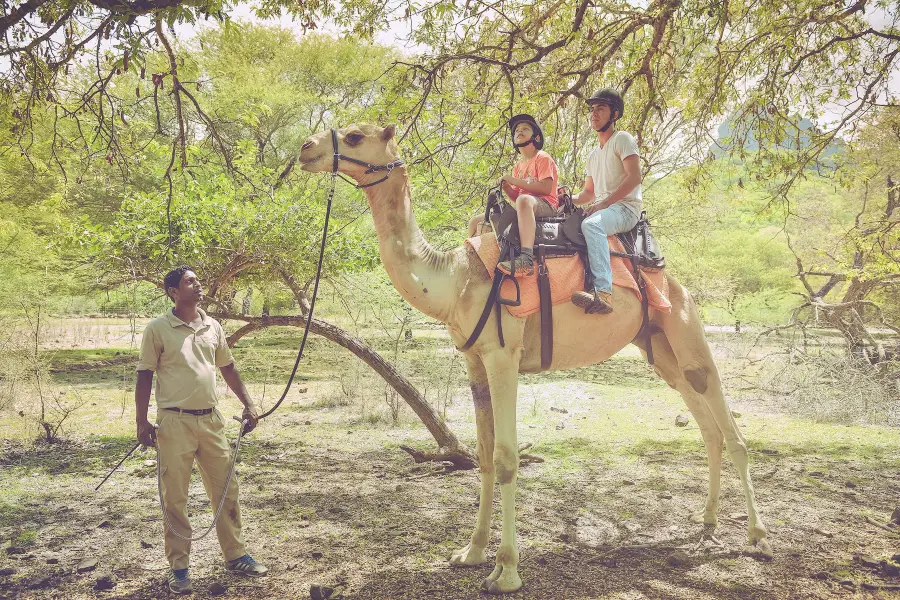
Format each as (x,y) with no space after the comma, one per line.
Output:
(539,168)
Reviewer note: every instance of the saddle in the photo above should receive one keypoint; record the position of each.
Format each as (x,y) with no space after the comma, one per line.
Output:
(560,236)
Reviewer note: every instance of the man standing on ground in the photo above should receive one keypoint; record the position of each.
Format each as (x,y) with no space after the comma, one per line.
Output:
(184,347)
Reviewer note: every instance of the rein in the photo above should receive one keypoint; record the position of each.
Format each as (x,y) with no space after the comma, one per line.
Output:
(336,158)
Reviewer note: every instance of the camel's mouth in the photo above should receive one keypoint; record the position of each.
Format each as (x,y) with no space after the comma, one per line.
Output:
(312,163)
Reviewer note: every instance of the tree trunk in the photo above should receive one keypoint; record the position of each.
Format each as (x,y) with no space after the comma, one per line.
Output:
(450,448)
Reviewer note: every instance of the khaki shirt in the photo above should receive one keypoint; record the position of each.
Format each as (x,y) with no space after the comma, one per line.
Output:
(184,360)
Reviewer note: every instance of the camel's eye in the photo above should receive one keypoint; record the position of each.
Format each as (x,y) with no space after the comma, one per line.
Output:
(354,139)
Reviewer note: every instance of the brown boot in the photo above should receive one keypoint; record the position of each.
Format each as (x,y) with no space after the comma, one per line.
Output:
(522,266)
(598,303)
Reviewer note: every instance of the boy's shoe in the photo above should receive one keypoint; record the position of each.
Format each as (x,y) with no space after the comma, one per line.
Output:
(246,565)
(522,266)
(598,303)
(179,582)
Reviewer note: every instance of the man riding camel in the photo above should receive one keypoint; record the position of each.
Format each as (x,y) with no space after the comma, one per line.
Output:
(611,196)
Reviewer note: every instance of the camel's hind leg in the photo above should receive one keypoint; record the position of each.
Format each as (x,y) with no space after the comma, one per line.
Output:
(666,366)
(684,332)
(473,552)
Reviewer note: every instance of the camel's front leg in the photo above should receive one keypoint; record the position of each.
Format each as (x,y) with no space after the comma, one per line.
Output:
(473,552)
(502,370)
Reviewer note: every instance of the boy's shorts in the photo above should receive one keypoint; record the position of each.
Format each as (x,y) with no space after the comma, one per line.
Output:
(542,208)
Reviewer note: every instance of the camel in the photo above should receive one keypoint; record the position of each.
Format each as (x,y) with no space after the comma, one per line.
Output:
(453,288)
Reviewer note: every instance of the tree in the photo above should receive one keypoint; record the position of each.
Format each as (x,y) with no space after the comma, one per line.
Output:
(848,256)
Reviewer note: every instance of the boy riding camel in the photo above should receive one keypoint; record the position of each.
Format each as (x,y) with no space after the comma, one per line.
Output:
(531,188)
(611,196)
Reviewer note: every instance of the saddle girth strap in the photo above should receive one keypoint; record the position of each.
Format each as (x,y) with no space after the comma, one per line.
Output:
(546,303)
(486,313)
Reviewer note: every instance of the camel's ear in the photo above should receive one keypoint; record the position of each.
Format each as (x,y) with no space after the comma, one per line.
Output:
(388,132)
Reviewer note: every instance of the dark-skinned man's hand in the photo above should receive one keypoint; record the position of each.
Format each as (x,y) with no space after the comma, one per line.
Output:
(251,415)
(146,434)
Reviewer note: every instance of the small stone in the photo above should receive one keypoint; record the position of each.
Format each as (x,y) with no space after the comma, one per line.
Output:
(302,390)
(317,554)
(816,474)
(666,496)
(822,575)
(736,414)
(15,550)
(320,592)
(105,581)
(217,589)
(627,482)
(825,532)
(850,484)
(679,558)
(7,571)
(307,422)
(52,561)
(104,524)
(399,488)
(541,561)
(847,583)
(87,564)
(41,582)
(560,426)
(739,516)
(149,463)
(868,561)
(563,537)
(146,545)
(559,410)
(896,558)
(889,569)
(895,516)
(682,421)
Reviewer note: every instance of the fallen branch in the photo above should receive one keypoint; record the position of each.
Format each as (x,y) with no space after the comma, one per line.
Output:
(872,521)
(460,458)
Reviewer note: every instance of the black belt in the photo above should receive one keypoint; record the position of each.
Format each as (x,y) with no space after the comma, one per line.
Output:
(199,411)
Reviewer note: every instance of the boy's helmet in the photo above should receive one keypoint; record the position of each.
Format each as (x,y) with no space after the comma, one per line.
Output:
(610,98)
(537,136)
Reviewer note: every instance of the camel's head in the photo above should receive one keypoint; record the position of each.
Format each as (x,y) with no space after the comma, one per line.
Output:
(367,143)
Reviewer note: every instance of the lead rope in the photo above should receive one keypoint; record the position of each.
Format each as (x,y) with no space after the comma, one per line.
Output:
(237,447)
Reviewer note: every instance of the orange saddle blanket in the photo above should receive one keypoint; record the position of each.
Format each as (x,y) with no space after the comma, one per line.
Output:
(567,277)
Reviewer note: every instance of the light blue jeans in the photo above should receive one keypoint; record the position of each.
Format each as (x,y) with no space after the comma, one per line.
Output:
(615,219)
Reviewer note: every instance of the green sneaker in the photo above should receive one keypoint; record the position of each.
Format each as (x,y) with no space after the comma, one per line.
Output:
(179,581)
(522,266)
(246,565)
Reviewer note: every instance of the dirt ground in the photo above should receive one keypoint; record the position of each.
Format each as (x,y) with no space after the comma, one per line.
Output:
(329,499)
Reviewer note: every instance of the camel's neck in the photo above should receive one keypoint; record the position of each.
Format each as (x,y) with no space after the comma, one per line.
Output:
(422,275)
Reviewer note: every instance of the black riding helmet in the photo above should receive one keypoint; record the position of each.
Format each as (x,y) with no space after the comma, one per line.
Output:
(537,136)
(612,99)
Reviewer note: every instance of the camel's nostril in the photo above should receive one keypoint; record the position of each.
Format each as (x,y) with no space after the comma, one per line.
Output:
(307,145)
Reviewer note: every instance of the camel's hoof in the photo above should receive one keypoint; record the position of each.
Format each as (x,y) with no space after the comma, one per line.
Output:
(467,557)
(704,518)
(761,549)
(502,581)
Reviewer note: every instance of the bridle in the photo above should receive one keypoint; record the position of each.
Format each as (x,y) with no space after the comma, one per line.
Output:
(337,156)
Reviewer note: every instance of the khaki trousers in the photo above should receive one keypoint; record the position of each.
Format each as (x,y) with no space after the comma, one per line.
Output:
(180,438)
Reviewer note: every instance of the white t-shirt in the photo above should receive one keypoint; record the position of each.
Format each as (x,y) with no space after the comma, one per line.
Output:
(604,166)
